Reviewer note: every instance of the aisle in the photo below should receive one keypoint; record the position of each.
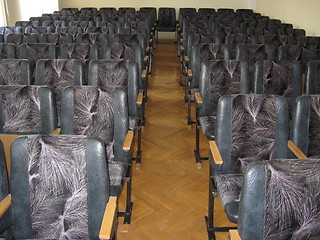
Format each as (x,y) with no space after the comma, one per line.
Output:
(169,192)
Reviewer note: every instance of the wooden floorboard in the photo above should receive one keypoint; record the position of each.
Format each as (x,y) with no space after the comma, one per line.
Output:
(170,194)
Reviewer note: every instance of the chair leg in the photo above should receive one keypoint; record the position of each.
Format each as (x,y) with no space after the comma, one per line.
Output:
(181,74)
(210,218)
(197,155)
(189,119)
(139,151)
(128,212)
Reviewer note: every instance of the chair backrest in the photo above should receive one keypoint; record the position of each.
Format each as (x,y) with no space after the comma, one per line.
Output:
(280,200)
(117,73)
(305,125)
(278,40)
(27,110)
(56,38)
(59,74)
(61,182)
(205,52)
(167,18)
(130,38)
(309,41)
(19,38)
(93,38)
(7,30)
(297,53)
(218,78)
(279,78)
(7,51)
(101,113)
(312,80)
(15,72)
(79,51)
(71,30)
(249,128)
(36,51)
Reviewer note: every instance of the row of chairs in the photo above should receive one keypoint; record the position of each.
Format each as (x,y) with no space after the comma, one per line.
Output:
(58,164)
(102,111)
(252,135)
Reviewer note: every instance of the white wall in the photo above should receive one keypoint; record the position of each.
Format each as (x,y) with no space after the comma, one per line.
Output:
(156,3)
(301,13)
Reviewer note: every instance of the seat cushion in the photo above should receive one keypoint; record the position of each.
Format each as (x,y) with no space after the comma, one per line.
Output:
(229,187)
(117,171)
(208,126)
(133,123)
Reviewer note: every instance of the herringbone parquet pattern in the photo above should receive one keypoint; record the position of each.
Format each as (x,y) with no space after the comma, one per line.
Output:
(170,194)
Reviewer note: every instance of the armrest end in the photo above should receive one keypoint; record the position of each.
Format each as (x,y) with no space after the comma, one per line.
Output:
(198,98)
(109,219)
(217,158)
(189,73)
(234,235)
(127,145)
(140,98)
(5,204)
(296,151)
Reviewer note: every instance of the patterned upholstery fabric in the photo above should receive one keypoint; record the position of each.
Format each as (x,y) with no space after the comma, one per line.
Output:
(56,38)
(94,116)
(314,126)
(229,186)
(122,51)
(20,38)
(113,74)
(7,50)
(21,109)
(10,72)
(78,51)
(292,199)
(36,51)
(253,129)
(59,74)
(92,38)
(58,187)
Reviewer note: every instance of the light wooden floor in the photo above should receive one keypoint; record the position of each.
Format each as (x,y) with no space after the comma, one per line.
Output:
(169,193)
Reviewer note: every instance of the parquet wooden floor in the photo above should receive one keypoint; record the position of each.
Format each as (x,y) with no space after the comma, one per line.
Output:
(170,194)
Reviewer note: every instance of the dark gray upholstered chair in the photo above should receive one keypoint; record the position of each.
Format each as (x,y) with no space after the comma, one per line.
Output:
(309,41)
(92,38)
(305,125)
(201,53)
(71,30)
(60,188)
(252,53)
(36,51)
(297,53)
(7,30)
(166,20)
(249,128)
(233,40)
(217,78)
(278,40)
(280,200)
(80,51)
(312,78)
(19,38)
(15,72)
(39,30)
(59,74)
(121,73)
(56,38)
(102,113)
(5,220)
(7,51)
(25,110)
(279,78)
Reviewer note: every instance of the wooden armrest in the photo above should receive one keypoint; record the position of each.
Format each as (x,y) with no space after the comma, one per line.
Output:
(189,73)
(198,98)
(56,132)
(234,235)
(296,151)
(6,140)
(128,141)
(144,73)
(140,98)
(186,58)
(148,49)
(146,58)
(150,40)
(5,204)
(215,152)
(181,48)
(109,219)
